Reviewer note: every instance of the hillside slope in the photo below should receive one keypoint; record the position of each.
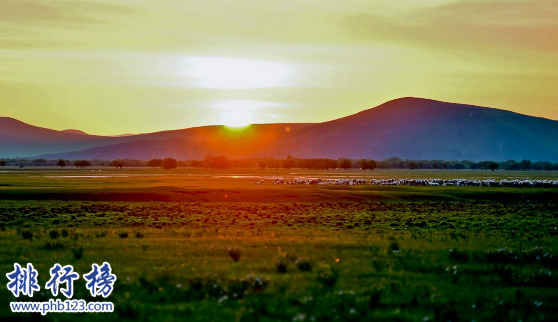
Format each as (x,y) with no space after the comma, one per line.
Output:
(412,128)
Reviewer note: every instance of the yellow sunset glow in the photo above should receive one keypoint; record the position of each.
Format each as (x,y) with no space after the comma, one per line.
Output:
(111,67)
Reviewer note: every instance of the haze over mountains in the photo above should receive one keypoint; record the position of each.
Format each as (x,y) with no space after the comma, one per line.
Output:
(412,128)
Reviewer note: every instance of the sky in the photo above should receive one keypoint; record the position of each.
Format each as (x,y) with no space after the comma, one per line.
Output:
(136,66)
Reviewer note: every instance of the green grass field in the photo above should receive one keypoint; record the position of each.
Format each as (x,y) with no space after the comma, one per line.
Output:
(306,253)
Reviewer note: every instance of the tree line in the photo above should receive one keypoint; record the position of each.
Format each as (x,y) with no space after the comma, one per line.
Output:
(290,162)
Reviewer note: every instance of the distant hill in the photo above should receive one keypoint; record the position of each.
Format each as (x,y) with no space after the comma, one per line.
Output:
(412,128)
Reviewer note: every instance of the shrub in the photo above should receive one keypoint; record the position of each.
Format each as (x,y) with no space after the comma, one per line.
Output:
(503,256)
(248,285)
(304,264)
(327,276)
(234,253)
(78,252)
(100,234)
(379,265)
(394,247)
(64,233)
(53,234)
(457,255)
(375,298)
(53,246)
(123,235)
(26,234)
(281,265)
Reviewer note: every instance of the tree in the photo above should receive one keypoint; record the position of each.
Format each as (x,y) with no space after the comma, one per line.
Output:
(117,164)
(61,163)
(82,163)
(39,162)
(169,163)
(367,164)
(395,163)
(362,164)
(207,161)
(413,165)
(459,166)
(275,164)
(525,164)
(493,166)
(345,164)
(220,162)
(3,163)
(289,162)
(542,165)
(262,164)
(196,163)
(155,163)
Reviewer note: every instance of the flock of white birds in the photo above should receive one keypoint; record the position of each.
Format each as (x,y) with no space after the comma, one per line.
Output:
(515,183)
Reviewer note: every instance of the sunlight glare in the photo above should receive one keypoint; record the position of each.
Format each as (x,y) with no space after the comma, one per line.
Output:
(235,73)
(236,119)
(240,113)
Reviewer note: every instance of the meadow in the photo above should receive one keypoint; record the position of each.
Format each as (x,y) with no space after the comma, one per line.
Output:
(208,245)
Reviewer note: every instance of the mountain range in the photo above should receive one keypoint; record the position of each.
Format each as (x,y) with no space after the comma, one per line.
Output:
(408,128)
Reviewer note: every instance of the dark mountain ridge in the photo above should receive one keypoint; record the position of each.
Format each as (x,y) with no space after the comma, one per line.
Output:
(412,128)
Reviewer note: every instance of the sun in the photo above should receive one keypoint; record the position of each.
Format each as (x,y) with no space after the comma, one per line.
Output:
(237,119)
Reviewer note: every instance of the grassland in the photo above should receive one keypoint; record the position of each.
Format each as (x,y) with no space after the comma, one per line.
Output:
(307,253)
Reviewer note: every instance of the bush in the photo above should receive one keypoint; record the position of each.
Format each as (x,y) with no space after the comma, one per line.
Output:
(123,235)
(53,246)
(27,234)
(457,255)
(327,276)
(304,264)
(53,234)
(99,234)
(78,252)
(501,256)
(234,253)
(375,298)
(281,266)
(394,247)
(379,265)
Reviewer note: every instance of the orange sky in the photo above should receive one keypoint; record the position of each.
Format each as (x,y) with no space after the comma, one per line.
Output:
(112,67)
